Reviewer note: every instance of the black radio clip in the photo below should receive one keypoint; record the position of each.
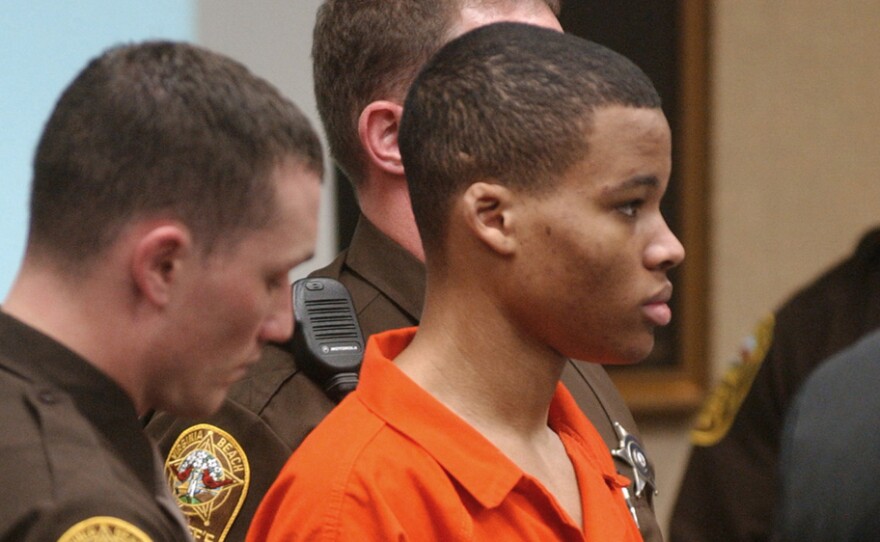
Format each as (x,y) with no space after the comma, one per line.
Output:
(327,342)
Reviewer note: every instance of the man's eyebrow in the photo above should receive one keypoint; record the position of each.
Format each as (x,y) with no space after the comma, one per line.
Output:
(650,181)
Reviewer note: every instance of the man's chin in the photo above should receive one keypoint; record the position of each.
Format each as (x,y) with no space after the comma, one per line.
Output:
(630,354)
(200,406)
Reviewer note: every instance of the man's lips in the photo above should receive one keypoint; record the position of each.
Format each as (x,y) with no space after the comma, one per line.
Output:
(656,309)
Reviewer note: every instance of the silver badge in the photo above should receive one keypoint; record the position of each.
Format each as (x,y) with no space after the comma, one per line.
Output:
(630,451)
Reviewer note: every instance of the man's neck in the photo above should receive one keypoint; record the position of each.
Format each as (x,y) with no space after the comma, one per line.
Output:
(385,202)
(79,317)
(473,361)
(481,367)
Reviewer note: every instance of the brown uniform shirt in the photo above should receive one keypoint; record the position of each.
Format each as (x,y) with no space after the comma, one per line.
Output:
(387,285)
(76,464)
(730,486)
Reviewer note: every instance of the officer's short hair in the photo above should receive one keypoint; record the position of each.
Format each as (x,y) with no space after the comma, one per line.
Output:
(162,127)
(509,102)
(364,50)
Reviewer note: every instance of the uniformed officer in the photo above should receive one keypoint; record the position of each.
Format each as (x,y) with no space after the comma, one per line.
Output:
(730,486)
(365,55)
(172,193)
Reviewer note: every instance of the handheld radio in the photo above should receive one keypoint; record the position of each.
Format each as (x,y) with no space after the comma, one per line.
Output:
(327,341)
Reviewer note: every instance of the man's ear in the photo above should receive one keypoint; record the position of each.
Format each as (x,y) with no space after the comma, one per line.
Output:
(158,259)
(377,128)
(489,214)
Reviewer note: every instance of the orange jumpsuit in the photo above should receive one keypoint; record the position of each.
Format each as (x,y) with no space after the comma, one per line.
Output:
(401,466)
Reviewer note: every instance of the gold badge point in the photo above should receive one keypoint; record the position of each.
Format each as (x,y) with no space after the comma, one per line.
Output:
(209,474)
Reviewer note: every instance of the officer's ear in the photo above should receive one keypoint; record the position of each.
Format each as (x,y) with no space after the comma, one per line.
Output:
(489,213)
(160,253)
(378,126)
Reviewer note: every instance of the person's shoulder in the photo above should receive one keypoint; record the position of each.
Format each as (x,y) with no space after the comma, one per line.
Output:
(104,512)
(371,481)
(333,269)
(20,406)
(828,479)
(321,468)
(829,313)
(17,418)
(268,378)
(59,479)
(348,428)
(25,473)
(869,246)
(263,419)
(31,414)
(849,375)
(363,292)
(839,283)
(275,399)
(826,416)
(351,446)
(72,525)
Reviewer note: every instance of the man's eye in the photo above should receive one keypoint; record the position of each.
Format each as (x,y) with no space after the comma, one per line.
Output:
(630,208)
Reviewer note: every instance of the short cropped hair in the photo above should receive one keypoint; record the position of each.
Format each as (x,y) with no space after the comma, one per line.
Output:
(510,103)
(162,127)
(366,50)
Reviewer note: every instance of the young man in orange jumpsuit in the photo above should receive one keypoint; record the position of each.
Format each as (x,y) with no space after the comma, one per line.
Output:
(536,163)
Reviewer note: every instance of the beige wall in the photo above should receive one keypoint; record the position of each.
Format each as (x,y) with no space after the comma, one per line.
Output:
(797,161)
(796,168)
(273,38)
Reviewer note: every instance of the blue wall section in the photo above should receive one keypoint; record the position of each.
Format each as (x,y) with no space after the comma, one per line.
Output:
(43,44)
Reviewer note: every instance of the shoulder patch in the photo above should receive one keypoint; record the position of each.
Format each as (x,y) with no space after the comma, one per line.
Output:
(209,474)
(720,408)
(104,529)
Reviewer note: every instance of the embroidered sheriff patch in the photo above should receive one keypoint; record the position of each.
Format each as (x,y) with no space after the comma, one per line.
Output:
(104,529)
(719,410)
(209,475)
